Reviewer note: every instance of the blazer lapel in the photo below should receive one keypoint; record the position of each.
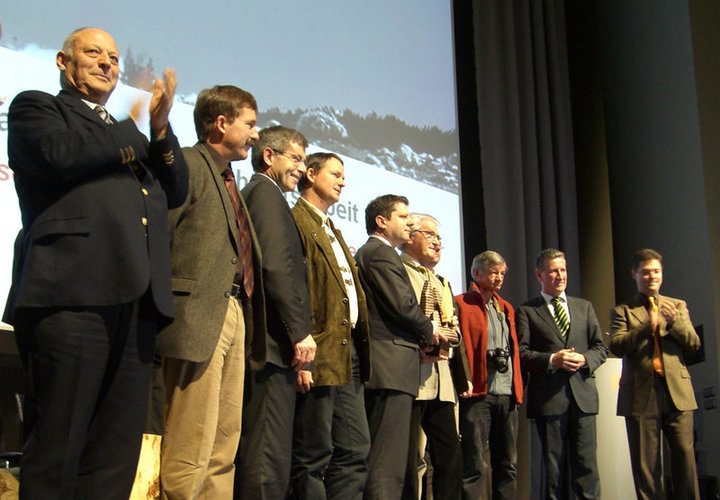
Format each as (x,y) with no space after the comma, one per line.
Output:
(576,317)
(219,180)
(546,316)
(323,242)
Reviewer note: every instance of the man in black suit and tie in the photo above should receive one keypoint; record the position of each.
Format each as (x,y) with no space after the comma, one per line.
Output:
(278,158)
(561,347)
(92,275)
(398,328)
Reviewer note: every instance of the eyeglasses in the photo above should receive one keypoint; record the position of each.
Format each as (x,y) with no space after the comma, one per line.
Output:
(429,235)
(296,159)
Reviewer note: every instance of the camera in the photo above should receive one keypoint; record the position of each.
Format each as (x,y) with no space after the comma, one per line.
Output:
(499,358)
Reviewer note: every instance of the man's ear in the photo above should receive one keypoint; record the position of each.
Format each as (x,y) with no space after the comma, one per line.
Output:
(61,60)
(380,222)
(310,175)
(538,272)
(221,124)
(267,157)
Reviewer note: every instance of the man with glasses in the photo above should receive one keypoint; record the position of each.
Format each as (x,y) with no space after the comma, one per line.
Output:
(278,158)
(433,411)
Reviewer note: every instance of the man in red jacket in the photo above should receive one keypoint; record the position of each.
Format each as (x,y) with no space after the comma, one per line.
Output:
(487,323)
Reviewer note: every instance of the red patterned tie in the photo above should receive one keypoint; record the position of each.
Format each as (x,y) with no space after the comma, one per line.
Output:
(244,230)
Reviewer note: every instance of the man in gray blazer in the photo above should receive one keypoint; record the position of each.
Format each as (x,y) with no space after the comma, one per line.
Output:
(561,346)
(218,298)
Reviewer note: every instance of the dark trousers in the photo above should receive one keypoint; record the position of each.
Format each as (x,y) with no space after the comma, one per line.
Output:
(570,437)
(331,442)
(264,457)
(489,420)
(645,439)
(388,414)
(437,419)
(89,372)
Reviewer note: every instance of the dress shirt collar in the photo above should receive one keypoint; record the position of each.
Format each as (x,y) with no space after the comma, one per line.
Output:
(383,239)
(220,163)
(271,180)
(549,298)
(323,216)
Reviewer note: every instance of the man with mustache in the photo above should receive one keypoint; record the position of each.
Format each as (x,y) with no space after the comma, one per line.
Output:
(92,275)
(561,346)
(219,307)
(264,458)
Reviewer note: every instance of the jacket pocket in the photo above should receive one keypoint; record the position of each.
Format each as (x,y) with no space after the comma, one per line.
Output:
(183,286)
(405,343)
(49,229)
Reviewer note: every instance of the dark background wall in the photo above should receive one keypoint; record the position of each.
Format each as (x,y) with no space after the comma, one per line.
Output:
(644,96)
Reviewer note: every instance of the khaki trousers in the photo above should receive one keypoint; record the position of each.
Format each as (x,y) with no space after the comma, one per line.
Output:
(203,417)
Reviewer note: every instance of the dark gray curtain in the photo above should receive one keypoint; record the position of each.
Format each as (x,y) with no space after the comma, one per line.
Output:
(524,132)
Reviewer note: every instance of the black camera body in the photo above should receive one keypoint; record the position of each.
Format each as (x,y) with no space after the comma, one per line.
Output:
(499,358)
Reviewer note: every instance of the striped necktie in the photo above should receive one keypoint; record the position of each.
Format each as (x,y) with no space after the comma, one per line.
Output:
(561,317)
(104,115)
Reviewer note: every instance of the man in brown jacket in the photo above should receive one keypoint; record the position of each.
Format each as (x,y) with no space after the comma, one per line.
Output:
(331,437)
(651,332)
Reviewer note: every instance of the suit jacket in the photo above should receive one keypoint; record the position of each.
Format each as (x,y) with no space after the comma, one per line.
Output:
(330,303)
(204,256)
(94,232)
(397,324)
(284,269)
(473,318)
(632,338)
(549,390)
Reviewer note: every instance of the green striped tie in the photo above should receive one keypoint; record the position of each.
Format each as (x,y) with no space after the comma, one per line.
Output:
(561,317)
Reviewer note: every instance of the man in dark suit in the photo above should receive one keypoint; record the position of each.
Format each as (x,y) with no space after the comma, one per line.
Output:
(561,347)
(92,281)
(398,327)
(651,332)
(278,159)
(219,304)
(331,440)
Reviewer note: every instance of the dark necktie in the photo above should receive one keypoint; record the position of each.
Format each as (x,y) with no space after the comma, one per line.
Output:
(561,317)
(244,230)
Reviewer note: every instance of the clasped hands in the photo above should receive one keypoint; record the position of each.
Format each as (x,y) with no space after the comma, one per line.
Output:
(668,310)
(568,360)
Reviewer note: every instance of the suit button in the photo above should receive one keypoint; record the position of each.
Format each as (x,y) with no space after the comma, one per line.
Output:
(234,260)
(227,295)
(144,191)
(344,322)
(345,300)
(343,341)
(144,221)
